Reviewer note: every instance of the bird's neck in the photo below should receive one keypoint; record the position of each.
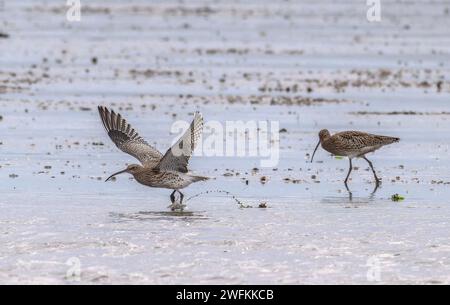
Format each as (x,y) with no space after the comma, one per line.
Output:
(324,142)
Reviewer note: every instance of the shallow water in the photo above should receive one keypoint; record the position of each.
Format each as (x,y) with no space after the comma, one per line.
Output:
(161,60)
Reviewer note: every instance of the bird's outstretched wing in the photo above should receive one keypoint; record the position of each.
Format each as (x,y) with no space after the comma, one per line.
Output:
(127,139)
(177,157)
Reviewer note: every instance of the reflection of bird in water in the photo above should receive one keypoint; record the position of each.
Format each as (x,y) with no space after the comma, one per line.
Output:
(157,170)
(353,144)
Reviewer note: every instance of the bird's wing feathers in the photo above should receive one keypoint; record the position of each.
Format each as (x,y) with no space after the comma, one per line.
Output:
(359,140)
(127,139)
(177,157)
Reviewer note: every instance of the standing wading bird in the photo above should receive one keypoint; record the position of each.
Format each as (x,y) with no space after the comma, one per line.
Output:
(353,144)
(163,171)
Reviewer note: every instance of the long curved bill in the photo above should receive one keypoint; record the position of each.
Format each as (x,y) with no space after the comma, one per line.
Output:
(121,172)
(312,158)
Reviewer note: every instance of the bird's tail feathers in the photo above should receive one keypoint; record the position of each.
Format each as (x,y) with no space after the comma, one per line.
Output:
(389,140)
(199,178)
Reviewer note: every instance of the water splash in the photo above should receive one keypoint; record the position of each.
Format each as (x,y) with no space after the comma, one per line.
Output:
(239,202)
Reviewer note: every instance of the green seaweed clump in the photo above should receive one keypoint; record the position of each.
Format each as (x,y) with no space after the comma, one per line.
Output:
(397,198)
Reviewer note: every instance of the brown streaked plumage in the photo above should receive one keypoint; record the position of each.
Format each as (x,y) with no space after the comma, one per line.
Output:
(157,170)
(353,144)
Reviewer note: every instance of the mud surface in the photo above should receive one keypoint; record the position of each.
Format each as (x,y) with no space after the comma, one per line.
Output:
(307,65)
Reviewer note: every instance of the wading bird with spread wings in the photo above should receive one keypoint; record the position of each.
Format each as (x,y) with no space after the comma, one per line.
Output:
(157,170)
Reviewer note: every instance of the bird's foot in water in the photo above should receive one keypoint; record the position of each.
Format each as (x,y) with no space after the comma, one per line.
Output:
(176,206)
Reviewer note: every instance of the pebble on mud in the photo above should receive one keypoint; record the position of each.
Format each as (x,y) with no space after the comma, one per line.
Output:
(263,179)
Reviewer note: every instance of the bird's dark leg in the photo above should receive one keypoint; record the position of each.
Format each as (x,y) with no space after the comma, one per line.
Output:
(181,206)
(172,197)
(377,181)
(173,206)
(181,197)
(349,172)
(374,190)
(350,194)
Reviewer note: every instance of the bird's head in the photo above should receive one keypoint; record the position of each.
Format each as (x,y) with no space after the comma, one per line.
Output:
(323,135)
(131,169)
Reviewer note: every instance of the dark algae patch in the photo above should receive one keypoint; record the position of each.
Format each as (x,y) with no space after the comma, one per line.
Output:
(397,198)
(399,113)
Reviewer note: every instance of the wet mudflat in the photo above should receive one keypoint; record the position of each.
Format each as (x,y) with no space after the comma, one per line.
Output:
(307,66)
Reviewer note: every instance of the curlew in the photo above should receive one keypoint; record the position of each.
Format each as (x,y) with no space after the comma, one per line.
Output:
(353,144)
(157,170)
